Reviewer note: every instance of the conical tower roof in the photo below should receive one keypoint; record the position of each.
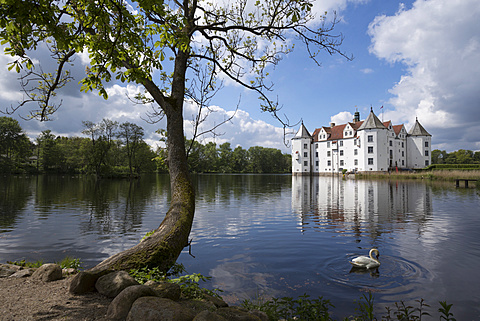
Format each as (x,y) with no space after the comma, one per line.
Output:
(372,122)
(418,130)
(302,132)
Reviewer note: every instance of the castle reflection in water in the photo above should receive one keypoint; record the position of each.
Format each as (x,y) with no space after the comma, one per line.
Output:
(319,198)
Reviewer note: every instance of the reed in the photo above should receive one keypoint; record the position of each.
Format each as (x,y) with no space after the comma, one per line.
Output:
(445,175)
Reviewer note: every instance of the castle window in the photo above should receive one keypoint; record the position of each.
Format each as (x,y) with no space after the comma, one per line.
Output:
(391,143)
(426,153)
(305,146)
(305,154)
(370,149)
(402,144)
(403,153)
(355,152)
(329,163)
(370,138)
(316,154)
(426,163)
(403,162)
(341,163)
(328,144)
(341,143)
(328,153)
(355,162)
(305,163)
(316,163)
(341,152)
(370,161)
(426,145)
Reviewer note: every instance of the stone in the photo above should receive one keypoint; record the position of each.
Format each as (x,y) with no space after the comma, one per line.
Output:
(166,290)
(23,273)
(149,308)
(237,314)
(120,306)
(68,271)
(219,303)
(8,269)
(83,282)
(208,316)
(48,272)
(198,306)
(113,283)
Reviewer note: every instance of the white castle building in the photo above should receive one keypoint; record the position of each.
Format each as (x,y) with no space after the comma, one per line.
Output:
(360,146)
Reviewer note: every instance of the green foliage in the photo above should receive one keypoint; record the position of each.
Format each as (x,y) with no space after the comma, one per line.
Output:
(27,264)
(365,307)
(70,263)
(189,284)
(460,156)
(445,311)
(287,308)
(66,263)
(306,309)
(15,147)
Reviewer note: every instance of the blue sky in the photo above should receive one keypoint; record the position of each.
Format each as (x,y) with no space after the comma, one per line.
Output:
(415,58)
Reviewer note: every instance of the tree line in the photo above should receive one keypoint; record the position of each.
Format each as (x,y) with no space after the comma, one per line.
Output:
(111,149)
(460,156)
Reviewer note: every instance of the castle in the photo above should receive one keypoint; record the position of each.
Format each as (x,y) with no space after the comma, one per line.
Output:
(360,146)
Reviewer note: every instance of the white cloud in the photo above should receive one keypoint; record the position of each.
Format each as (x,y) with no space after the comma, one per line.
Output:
(342,118)
(366,70)
(438,41)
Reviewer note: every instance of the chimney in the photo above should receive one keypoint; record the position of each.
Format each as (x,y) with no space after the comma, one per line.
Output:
(332,124)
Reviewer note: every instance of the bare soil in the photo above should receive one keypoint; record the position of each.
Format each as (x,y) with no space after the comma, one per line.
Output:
(25,299)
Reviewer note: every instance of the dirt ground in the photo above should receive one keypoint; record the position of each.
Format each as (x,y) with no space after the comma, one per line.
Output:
(29,299)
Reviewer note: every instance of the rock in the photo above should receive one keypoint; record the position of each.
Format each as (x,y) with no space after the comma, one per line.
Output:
(166,290)
(113,283)
(198,306)
(48,272)
(150,308)
(23,273)
(83,282)
(237,314)
(120,306)
(68,271)
(219,303)
(208,316)
(260,314)
(8,269)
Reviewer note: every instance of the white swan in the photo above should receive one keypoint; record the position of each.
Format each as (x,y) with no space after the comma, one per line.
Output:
(367,262)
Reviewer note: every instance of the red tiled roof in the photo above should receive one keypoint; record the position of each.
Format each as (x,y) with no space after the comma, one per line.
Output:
(397,129)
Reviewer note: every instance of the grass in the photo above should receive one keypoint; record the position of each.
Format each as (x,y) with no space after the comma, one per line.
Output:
(443,175)
(305,309)
(66,263)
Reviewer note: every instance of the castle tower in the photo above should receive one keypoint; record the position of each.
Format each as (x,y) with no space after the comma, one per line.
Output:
(302,152)
(419,144)
(373,137)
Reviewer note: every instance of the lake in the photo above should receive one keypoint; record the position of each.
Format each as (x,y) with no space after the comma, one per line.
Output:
(268,235)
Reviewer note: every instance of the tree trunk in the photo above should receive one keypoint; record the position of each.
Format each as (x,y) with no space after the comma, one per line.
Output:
(162,248)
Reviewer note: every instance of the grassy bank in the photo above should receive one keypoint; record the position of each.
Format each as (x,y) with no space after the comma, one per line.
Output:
(443,175)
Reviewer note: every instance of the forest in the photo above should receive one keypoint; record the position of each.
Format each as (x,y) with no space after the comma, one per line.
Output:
(112,149)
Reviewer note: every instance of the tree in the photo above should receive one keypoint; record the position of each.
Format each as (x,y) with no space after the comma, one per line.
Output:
(14,144)
(130,41)
(131,136)
(50,155)
(225,158)
(101,142)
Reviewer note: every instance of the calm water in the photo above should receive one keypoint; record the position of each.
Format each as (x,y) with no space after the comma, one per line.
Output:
(268,235)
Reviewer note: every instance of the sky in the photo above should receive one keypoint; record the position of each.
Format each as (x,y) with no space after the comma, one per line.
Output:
(416,59)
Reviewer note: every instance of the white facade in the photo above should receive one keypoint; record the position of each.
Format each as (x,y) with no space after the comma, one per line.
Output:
(364,146)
